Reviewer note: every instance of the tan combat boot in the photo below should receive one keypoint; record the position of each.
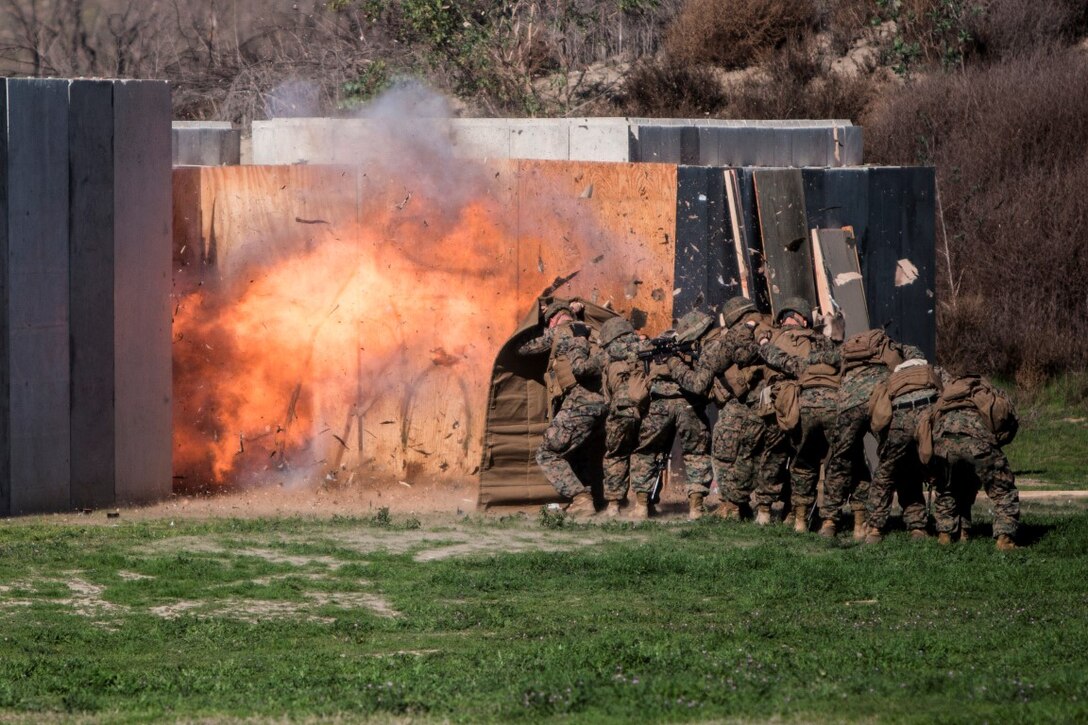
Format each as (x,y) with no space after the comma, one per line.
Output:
(763,515)
(800,519)
(641,510)
(918,535)
(1005,543)
(874,536)
(861,529)
(728,510)
(828,529)
(695,506)
(965,535)
(612,509)
(582,506)
(944,538)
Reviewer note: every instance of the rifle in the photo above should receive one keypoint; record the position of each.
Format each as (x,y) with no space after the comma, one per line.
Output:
(661,348)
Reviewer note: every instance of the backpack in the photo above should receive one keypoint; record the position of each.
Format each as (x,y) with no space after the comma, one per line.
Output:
(629,375)
(869,348)
(993,404)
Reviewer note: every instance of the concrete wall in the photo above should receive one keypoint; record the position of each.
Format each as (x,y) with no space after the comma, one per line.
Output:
(85,272)
(703,142)
(205,143)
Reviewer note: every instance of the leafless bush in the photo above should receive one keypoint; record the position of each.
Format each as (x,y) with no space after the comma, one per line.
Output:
(667,89)
(1014,27)
(797,83)
(1008,142)
(735,33)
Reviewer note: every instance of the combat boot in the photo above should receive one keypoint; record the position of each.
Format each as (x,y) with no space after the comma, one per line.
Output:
(1005,543)
(763,515)
(695,506)
(944,538)
(800,519)
(918,535)
(641,510)
(582,506)
(874,536)
(612,509)
(965,535)
(828,529)
(728,510)
(861,529)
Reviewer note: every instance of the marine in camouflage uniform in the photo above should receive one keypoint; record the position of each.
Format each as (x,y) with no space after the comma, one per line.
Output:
(794,349)
(724,369)
(847,474)
(623,387)
(673,413)
(578,408)
(900,471)
(969,456)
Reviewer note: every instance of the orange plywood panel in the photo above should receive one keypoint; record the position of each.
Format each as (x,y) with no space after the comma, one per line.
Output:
(339,323)
(610,225)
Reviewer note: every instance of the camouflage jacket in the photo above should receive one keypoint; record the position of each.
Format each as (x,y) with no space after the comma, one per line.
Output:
(858,383)
(569,351)
(735,346)
(964,422)
(822,351)
(619,363)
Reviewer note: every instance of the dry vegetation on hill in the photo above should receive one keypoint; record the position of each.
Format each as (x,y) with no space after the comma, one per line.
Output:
(994,93)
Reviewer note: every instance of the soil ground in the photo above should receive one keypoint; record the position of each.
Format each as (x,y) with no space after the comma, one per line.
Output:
(430,501)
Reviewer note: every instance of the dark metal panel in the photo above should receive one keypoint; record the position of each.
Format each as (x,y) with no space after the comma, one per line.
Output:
(900,254)
(784,228)
(710,153)
(91,143)
(142,214)
(722,270)
(659,144)
(5,329)
(37,220)
(753,237)
(692,240)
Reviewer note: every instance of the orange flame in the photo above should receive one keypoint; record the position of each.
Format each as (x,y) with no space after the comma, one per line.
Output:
(265,369)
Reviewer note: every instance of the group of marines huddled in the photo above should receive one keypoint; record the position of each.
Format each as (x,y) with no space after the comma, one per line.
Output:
(790,400)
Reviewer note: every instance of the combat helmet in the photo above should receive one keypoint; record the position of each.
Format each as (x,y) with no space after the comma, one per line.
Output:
(693,325)
(555,307)
(734,308)
(795,304)
(613,329)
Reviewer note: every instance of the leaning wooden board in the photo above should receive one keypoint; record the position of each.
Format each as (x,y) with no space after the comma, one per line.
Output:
(787,250)
(838,277)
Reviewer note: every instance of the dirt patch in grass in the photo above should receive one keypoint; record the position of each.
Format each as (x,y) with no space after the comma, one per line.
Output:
(260,610)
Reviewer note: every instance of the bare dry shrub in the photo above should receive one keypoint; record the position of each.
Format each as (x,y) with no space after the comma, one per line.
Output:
(844,20)
(734,33)
(670,89)
(1008,143)
(797,83)
(1013,27)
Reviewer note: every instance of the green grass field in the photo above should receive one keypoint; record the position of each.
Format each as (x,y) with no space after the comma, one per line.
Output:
(389,619)
(1051,449)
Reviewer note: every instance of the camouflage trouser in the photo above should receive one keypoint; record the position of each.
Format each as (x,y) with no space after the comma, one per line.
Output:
(577,419)
(774,457)
(901,472)
(966,464)
(621,439)
(846,474)
(734,451)
(666,419)
(818,417)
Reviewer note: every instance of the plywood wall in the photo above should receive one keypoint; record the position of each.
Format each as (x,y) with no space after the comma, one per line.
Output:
(465,275)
